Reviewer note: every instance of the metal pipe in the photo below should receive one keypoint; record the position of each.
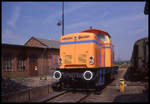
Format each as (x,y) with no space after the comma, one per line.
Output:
(62,18)
(43,60)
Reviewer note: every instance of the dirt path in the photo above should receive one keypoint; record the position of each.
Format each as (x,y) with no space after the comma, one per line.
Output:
(120,75)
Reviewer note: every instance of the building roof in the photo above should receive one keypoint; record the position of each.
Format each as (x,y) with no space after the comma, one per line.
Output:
(48,43)
(21,46)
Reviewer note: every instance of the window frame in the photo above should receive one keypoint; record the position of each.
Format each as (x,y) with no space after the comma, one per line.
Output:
(100,38)
(21,63)
(7,65)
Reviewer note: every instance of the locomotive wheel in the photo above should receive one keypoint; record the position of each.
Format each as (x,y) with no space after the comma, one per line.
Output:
(54,86)
(112,77)
(97,92)
(98,89)
(57,86)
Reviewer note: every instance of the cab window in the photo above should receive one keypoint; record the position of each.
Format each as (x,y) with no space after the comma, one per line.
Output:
(101,37)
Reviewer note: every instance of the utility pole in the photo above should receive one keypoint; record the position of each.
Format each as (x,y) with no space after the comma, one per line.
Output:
(62,18)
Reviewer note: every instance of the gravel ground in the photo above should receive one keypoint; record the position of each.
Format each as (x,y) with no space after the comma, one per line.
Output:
(13,85)
(133,91)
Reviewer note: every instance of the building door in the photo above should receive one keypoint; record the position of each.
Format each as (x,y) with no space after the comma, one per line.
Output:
(33,69)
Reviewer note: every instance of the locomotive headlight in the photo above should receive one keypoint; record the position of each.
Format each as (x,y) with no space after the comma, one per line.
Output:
(59,61)
(88,75)
(91,60)
(57,75)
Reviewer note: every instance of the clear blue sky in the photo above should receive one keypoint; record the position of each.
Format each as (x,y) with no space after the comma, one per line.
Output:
(124,21)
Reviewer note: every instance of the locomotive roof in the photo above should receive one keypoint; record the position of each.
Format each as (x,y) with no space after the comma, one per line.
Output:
(96,31)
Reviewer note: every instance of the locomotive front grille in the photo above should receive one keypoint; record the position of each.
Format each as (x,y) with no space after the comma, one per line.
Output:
(68,59)
(72,75)
(82,58)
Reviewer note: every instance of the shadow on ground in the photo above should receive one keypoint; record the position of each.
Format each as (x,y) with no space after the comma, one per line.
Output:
(9,86)
(142,97)
(134,77)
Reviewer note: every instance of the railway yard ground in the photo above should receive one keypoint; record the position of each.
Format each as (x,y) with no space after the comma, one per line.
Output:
(15,84)
(134,91)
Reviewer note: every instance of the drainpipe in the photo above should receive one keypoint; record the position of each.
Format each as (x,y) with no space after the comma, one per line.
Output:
(62,18)
(44,51)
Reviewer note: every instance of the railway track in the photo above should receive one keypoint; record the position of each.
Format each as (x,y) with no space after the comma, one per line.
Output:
(74,96)
(70,97)
(55,96)
(63,96)
(49,97)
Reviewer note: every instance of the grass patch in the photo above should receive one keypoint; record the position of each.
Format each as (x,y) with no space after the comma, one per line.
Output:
(14,76)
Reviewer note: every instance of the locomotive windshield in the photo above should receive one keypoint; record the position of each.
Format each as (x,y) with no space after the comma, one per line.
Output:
(101,37)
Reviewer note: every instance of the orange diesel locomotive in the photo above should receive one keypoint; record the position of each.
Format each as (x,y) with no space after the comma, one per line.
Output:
(86,59)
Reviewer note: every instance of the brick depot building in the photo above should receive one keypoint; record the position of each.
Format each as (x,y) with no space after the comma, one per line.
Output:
(36,57)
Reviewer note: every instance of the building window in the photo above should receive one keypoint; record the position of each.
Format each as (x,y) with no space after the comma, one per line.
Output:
(21,63)
(33,59)
(7,63)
